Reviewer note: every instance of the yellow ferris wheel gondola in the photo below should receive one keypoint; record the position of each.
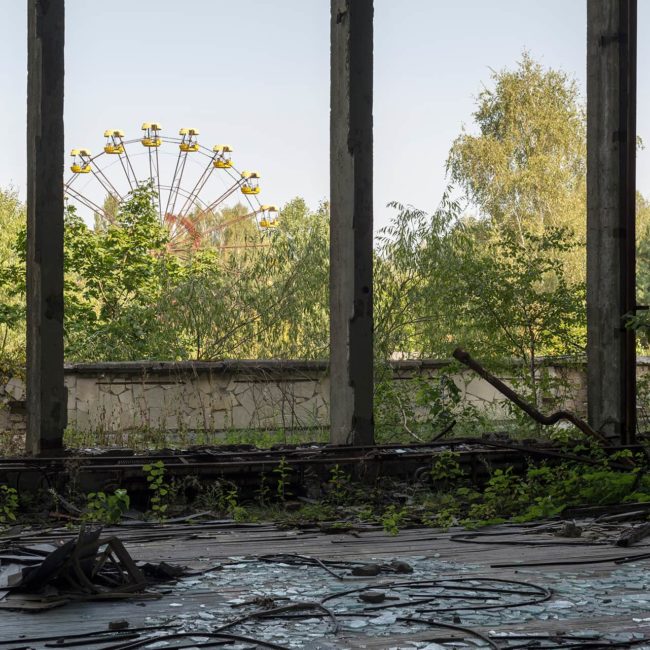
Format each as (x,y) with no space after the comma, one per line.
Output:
(188,143)
(251,184)
(114,142)
(151,134)
(269,217)
(223,157)
(186,196)
(80,161)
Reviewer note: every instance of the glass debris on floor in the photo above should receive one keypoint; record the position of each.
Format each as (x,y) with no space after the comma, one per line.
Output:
(342,591)
(297,605)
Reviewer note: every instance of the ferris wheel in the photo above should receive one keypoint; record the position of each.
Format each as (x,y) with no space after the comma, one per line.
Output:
(192,183)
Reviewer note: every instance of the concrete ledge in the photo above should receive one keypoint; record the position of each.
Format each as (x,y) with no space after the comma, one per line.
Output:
(230,366)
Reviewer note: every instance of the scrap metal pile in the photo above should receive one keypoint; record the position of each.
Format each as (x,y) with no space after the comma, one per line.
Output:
(88,567)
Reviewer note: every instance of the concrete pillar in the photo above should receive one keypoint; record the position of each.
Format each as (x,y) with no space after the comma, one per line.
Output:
(46,398)
(611,146)
(351,322)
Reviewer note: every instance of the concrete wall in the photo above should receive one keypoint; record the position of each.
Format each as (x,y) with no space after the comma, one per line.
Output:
(116,397)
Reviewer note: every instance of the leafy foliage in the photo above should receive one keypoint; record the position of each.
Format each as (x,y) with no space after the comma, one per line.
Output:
(264,302)
(12,282)
(116,280)
(446,469)
(283,473)
(106,508)
(338,486)
(393,519)
(8,504)
(160,490)
(547,490)
(223,497)
(525,168)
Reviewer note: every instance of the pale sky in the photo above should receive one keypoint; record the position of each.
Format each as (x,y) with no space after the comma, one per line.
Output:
(255,75)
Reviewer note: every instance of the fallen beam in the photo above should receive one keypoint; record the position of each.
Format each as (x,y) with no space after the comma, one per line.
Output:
(466,359)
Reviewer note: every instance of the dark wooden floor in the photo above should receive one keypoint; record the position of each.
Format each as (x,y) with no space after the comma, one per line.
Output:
(599,596)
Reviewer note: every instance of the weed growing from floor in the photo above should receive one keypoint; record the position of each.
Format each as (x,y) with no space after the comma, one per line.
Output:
(155,473)
(106,508)
(338,486)
(8,504)
(263,492)
(443,496)
(393,518)
(283,477)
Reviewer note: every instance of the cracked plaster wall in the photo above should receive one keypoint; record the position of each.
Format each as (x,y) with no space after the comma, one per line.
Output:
(123,397)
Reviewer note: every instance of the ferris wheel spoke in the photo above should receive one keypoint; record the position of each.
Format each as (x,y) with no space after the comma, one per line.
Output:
(250,202)
(126,172)
(196,190)
(151,181)
(129,167)
(158,184)
(185,227)
(221,199)
(87,202)
(173,185)
(184,193)
(152,175)
(230,222)
(70,182)
(105,183)
(173,195)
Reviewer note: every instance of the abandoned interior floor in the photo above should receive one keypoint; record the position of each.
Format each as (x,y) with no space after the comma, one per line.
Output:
(579,592)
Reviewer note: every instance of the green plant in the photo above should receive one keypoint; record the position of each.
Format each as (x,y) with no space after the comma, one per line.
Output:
(338,486)
(547,490)
(309,512)
(231,502)
(366,513)
(8,503)
(445,519)
(222,496)
(263,491)
(283,478)
(392,518)
(106,508)
(503,495)
(159,489)
(446,468)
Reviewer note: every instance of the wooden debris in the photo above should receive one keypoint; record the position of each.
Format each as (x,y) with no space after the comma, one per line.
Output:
(634,535)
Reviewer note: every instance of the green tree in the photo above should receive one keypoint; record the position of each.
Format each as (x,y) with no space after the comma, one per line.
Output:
(443,280)
(413,286)
(518,302)
(263,302)
(525,167)
(115,281)
(230,227)
(643,249)
(520,264)
(12,282)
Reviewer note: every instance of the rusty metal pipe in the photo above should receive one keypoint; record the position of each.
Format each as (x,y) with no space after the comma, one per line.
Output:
(466,359)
